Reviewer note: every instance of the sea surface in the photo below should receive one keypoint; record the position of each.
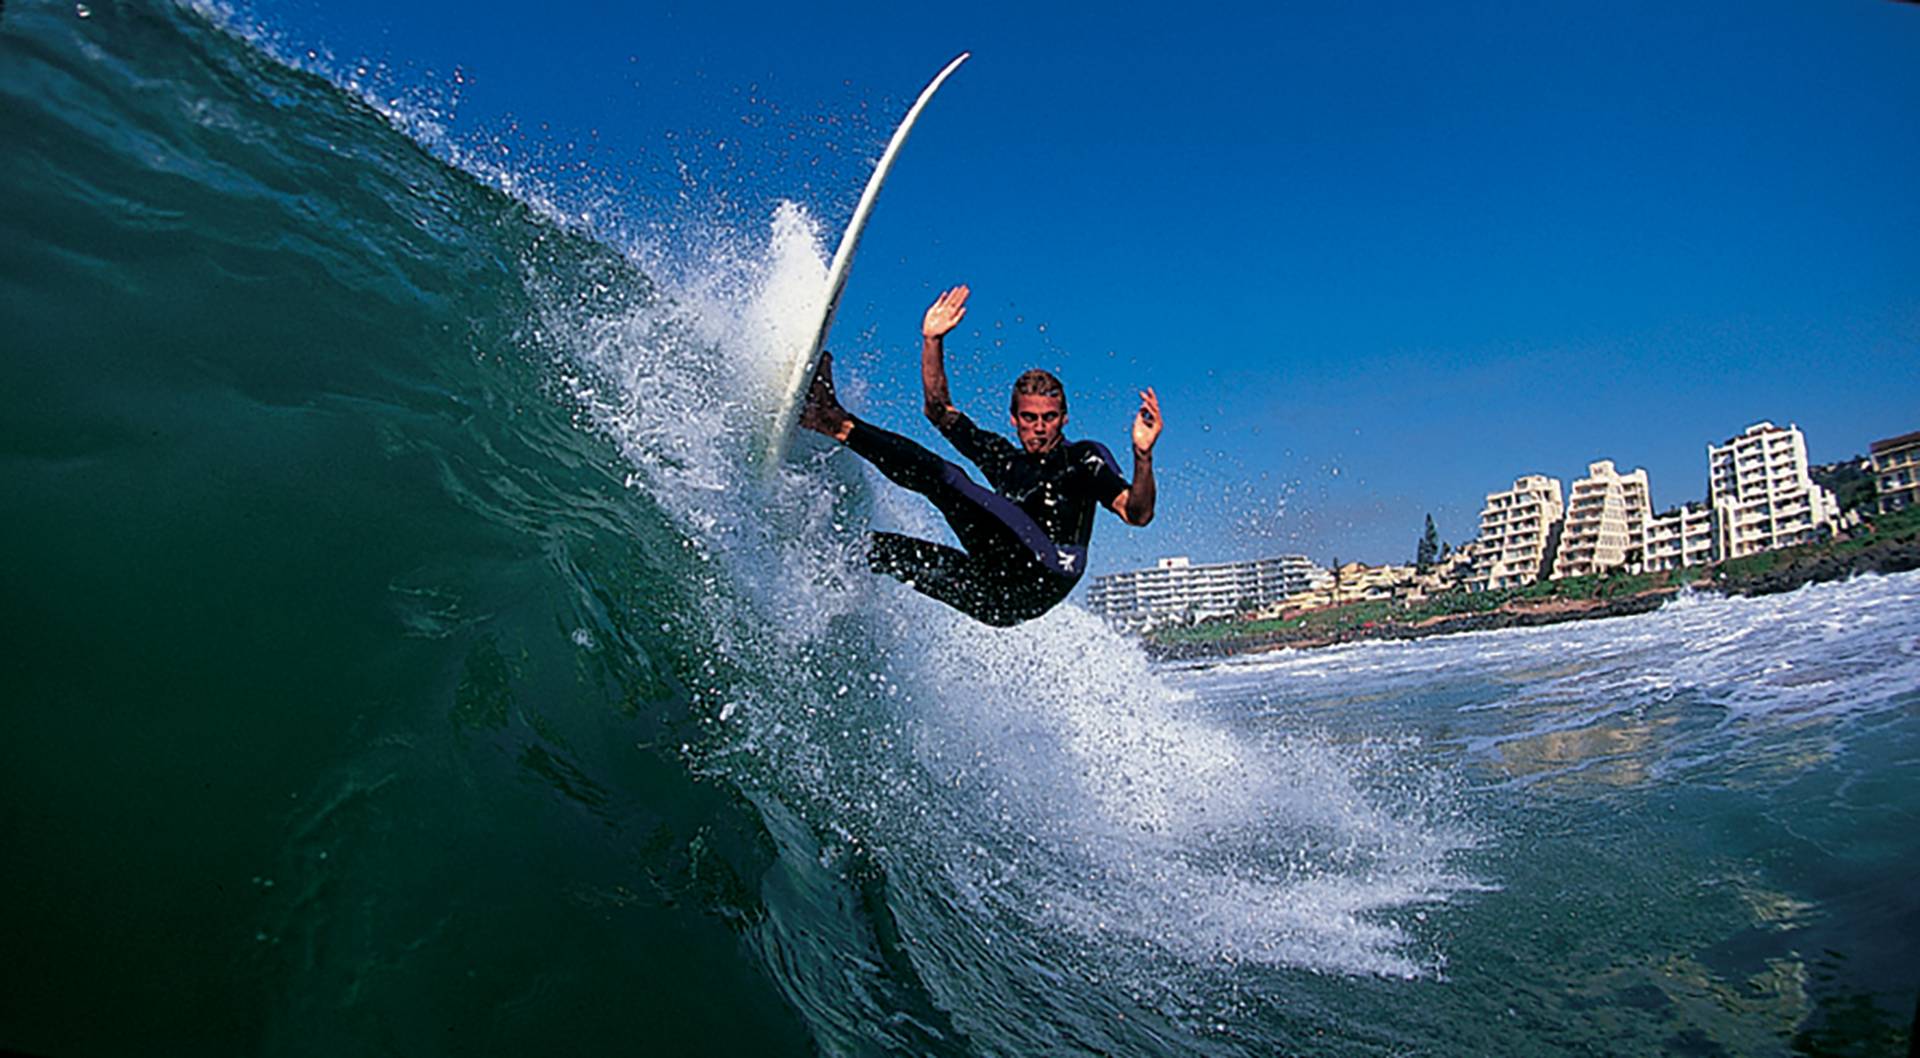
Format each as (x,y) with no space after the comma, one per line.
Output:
(406,654)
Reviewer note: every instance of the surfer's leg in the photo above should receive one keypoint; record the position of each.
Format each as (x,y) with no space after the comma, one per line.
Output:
(901,461)
(968,507)
(979,518)
(946,574)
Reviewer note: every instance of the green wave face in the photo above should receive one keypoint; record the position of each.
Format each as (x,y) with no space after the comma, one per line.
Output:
(349,674)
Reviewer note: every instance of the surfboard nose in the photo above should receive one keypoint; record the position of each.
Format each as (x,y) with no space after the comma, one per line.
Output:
(786,411)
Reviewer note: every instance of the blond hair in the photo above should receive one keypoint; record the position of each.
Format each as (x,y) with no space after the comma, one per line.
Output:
(1037,383)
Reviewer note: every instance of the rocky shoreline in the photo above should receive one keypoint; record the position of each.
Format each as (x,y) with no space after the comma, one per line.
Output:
(1816,567)
(1794,570)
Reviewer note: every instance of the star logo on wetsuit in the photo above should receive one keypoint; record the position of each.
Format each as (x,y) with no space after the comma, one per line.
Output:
(1066,560)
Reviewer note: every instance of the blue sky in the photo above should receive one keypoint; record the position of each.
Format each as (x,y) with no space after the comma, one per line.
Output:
(1377,259)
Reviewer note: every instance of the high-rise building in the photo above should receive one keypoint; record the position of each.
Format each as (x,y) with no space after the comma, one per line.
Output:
(1762,496)
(1518,531)
(1682,536)
(1175,589)
(1896,472)
(1606,526)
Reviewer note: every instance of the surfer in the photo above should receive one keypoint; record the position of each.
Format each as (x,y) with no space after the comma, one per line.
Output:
(1023,543)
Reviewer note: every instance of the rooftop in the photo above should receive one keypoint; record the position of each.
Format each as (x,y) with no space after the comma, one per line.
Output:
(1901,441)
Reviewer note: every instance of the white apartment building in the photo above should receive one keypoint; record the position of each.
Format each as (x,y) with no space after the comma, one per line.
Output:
(1175,589)
(1896,472)
(1518,530)
(1606,525)
(1762,496)
(1680,537)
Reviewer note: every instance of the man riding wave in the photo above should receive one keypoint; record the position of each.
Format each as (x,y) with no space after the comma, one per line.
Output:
(1023,543)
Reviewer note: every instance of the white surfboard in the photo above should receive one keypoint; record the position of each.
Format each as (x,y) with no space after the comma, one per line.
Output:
(786,409)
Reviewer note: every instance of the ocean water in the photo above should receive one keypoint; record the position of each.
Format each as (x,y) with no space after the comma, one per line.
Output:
(406,655)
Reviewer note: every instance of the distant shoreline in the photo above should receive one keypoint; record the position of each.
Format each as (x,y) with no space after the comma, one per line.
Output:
(1894,551)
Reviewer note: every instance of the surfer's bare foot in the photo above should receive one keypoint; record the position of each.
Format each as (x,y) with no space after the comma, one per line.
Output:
(822,412)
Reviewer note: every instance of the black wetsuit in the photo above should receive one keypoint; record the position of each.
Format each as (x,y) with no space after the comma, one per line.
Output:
(1025,540)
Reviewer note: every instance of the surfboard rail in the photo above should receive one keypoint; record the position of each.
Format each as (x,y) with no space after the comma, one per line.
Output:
(786,411)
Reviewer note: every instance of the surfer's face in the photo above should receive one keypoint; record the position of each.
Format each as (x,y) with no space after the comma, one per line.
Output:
(1038,421)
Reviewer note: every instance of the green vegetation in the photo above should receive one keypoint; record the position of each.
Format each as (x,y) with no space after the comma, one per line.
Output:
(1314,622)
(1751,565)
(1899,525)
(1357,615)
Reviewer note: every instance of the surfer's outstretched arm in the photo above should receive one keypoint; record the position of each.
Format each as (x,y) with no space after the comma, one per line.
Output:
(1134,505)
(942,316)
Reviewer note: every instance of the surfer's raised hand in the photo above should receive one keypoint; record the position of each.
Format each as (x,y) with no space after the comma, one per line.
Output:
(1146,422)
(1135,503)
(945,313)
